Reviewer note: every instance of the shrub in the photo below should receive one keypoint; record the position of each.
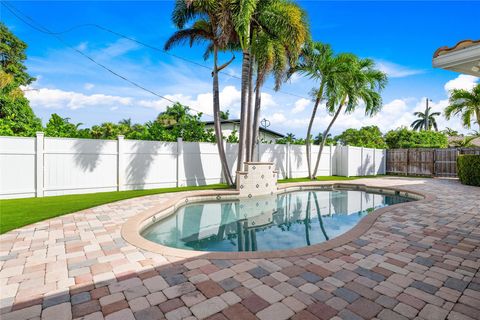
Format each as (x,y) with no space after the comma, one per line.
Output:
(404,138)
(468,168)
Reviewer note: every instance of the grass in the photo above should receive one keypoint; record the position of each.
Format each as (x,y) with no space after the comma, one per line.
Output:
(16,213)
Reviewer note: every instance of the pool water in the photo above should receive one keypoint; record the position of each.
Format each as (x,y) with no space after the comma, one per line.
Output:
(279,222)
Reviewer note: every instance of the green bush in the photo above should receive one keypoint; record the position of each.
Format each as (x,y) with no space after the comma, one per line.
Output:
(404,138)
(468,168)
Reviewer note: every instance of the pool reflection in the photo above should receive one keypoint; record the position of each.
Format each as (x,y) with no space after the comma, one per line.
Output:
(277,222)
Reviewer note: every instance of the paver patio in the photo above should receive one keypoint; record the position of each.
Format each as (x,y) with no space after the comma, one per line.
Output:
(420,260)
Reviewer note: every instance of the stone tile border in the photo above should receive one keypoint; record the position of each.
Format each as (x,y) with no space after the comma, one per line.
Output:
(132,228)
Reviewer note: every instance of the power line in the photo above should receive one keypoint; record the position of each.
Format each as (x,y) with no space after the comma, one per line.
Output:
(152,47)
(45,30)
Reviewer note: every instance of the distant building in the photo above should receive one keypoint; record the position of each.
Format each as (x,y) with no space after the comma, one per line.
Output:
(464,57)
(228,126)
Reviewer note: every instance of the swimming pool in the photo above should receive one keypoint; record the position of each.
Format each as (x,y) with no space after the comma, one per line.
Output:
(279,222)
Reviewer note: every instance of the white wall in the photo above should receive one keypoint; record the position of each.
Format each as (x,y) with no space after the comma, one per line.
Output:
(41,166)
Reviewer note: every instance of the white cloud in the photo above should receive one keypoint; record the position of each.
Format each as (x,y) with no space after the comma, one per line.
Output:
(300,105)
(463,81)
(394,70)
(89,86)
(59,99)
(117,48)
(82,46)
(277,118)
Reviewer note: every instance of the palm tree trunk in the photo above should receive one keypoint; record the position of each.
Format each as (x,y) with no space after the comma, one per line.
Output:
(217,121)
(243,109)
(309,131)
(256,114)
(324,138)
(249,138)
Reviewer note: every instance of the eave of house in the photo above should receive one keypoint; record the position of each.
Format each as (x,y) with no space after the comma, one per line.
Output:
(463,58)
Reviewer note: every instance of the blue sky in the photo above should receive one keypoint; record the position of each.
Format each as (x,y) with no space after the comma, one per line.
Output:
(400,36)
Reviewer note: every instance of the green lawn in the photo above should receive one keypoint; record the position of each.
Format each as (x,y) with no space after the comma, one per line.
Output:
(16,213)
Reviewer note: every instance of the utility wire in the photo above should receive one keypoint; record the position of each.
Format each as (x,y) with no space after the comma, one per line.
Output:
(152,47)
(45,30)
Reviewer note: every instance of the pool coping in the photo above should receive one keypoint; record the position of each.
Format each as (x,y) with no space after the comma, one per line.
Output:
(132,228)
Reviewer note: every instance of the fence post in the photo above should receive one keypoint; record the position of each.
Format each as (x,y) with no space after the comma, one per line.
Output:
(348,161)
(120,163)
(384,160)
(179,159)
(287,161)
(39,169)
(330,171)
(259,144)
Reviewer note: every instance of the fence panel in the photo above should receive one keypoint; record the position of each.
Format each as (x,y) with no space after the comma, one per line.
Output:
(430,162)
(397,161)
(420,162)
(54,166)
(446,162)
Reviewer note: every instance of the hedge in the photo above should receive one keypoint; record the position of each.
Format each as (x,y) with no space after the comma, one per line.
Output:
(468,167)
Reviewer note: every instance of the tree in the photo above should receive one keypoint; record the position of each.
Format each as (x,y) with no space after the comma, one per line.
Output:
(359,82)
(217,30)
(466,104)
(450,132)
(368,137)
(225,115)
(318,62)
(318,139)
(426,120)
(61,127)
(282,20)
(466,142)
(404,138)
(15,111)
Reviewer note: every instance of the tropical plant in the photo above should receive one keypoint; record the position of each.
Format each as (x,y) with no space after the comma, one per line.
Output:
(283,21)
(426,120)
(357,82)
(466,142)
(405,138)
(16,116)
(368,137)
(212,25)
(319,63)
(329,141)
(466,104)
(450,132)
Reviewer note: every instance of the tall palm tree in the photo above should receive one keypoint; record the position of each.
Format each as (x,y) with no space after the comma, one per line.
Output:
(319,63)
(465,103)
(273,56)
(212,25)
(426,120)
(360,82)
(281,19)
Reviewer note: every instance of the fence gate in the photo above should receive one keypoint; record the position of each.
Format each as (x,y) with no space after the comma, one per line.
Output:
(446,162)
(426,162)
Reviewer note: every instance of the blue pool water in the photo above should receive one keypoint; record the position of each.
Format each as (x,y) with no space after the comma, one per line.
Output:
(284,221)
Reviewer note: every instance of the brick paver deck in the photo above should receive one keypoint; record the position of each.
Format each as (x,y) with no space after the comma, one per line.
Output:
(417,261)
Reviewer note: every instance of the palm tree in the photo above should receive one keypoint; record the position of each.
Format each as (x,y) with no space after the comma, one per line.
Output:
(426,120)
(275,56)
(319,63)
(282,20)
(465,103)
(450,132)
(214,27)
(466,142)
(358,81)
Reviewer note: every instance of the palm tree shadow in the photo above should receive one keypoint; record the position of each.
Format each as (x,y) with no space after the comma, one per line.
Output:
(193,165)
(88,152)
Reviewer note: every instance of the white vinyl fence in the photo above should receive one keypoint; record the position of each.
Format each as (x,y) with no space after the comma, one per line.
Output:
(42,166)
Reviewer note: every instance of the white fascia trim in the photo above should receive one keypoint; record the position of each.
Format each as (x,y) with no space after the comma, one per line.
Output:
(454,58)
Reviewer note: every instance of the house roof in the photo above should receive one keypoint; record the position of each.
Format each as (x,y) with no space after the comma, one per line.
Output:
(459,46)
(237,121)
(464,57)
